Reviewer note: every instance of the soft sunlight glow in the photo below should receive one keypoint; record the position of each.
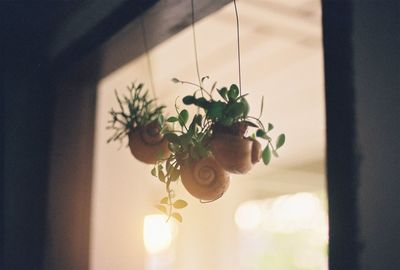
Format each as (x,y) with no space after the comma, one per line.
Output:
(301,211)
(291,231)
(157,233)
(248,216)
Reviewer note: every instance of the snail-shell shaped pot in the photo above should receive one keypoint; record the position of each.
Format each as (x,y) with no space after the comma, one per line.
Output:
(236,154)
(205,179)
(147,144)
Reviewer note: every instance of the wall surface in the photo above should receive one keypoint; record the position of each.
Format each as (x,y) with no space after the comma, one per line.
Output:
(362,70)
(26,122)
(377,90)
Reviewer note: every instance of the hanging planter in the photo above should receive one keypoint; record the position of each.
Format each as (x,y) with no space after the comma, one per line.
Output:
(228,121)
(142,122)
(147,144)
(235,152)
(205,179)
(191,161)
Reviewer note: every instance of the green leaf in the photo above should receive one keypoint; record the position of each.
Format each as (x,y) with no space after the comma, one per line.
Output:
(172,147)
(183,117)
(178,204)
(174,174)
(201,150)
(185,139)
(172,119)
(188,100)
(161,176)
(270,126)
(201,102)
(164,200)
(215,110)
(167,165)
(160,166)
(154,172)
(160,119)
(175,80)
(227,121)
(194,154)
(172,137)
(280,141)
(235,110)
(246,107)
(261,133)
(223,92)
(192,128)
(177,216)
(197,119)
(162,208)
(266,155)
(233,92)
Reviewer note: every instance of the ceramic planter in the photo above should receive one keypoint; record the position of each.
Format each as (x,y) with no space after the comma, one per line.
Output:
(236,154)
(205,179)
(147,144)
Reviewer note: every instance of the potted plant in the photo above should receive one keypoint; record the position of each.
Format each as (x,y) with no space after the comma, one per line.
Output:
(191,161)
(141,120)
(228,121)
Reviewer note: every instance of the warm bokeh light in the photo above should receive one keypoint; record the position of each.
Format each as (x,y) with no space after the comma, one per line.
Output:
(157,233)
(287,232)
(248,216)
(301,211)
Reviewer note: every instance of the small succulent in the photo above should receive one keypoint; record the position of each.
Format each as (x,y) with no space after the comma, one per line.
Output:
(135,110)
(229,113)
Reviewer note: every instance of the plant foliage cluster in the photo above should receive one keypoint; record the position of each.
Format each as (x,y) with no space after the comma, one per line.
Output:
(189,138)
(135,110)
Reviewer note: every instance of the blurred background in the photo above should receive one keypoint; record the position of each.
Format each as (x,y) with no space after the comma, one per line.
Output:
(71,201)
(274,217)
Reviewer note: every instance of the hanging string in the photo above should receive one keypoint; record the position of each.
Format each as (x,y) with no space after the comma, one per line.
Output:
(146,48)
(238,46)
(195,45)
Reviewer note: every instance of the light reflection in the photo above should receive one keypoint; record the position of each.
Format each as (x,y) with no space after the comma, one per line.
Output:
(248,216)
(157,233)
(301,211)
(289,231)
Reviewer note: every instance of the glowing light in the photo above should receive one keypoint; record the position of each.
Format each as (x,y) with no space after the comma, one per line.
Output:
(157,233)
(248,216)
(301,211)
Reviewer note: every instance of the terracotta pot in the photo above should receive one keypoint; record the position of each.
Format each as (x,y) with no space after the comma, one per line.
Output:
(147,144)
(236,154)
(205,179)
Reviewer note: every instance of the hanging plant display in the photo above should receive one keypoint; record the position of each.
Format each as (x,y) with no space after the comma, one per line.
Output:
(200,151)
(227,121)
(214,143)
(191,161)
(140,120)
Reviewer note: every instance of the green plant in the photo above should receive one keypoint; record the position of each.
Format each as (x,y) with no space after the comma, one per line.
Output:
(187,143)
(229,114)
(135,110)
